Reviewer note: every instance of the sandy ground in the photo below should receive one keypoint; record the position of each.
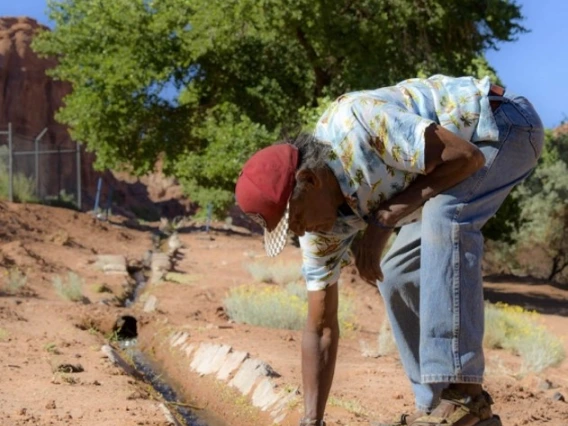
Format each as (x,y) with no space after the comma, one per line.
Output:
(40,333)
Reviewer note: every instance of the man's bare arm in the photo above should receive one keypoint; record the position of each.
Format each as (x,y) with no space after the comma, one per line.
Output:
(319,350)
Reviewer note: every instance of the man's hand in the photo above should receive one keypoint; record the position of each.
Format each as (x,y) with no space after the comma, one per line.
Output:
(368,253)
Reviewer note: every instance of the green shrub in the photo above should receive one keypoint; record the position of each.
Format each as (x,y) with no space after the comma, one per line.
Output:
(513,328)
(277,273)
(279,307)
(63,200)
(14,281)
(23,186)
(70,289)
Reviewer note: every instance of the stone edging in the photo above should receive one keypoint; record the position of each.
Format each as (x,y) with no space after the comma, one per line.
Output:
(250,376)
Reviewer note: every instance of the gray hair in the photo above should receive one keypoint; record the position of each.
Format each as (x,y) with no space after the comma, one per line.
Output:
(313,155)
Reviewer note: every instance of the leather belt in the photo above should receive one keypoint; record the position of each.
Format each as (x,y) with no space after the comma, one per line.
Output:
(495,90)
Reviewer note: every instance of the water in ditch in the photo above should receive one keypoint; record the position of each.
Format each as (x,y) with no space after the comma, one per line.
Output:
(149,371)
(129,346)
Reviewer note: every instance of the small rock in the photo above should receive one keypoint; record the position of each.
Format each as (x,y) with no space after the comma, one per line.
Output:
(50,405)
(545,384)
(151,303)
(22,411)
(558,397)
(69,368)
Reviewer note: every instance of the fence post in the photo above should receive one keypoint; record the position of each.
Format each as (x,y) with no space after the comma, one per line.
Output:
(59,172)
(10,165)
(36,147)
(98,196)
(79,189)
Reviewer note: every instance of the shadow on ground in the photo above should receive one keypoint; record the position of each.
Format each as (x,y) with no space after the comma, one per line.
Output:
(537,295)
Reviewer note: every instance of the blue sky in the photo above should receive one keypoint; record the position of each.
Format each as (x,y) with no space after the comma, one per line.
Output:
(536,65)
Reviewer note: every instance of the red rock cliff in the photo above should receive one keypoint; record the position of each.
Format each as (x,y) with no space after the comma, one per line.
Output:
(29,100)
(28,97)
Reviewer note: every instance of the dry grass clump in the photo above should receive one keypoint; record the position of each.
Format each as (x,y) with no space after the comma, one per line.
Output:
(275,273)
(69,289)
(385,343)
(513,328)
(282,307)
(351,405)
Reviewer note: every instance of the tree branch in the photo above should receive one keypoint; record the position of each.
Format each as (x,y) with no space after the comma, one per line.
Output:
(323,78)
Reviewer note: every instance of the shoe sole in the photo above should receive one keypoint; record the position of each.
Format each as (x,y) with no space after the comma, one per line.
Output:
(494,421)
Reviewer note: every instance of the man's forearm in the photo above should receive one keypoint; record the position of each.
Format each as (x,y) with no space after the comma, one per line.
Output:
(319,353)
(449,161)
(422,189)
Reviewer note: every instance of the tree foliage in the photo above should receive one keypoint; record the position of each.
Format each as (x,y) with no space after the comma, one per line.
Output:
(539,245)
(192,79)
(544,211)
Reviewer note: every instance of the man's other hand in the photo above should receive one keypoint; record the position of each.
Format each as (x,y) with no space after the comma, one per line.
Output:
(368,253)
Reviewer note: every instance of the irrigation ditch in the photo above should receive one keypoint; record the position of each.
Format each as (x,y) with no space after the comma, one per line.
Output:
(226,380)
(127,354)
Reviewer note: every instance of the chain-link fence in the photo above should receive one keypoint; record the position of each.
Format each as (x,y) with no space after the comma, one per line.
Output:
(34,170)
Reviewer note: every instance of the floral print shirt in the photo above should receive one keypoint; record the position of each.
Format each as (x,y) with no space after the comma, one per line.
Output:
(377,140)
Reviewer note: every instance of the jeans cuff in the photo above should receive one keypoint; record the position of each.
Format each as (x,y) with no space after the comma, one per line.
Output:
(457,378)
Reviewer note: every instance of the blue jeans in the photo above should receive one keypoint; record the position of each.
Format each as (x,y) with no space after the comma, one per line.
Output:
(433,288)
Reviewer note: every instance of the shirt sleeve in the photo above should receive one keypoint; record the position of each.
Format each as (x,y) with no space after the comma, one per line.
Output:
(397,135)
(323,256)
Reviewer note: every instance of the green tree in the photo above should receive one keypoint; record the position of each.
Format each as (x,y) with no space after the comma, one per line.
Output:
(539,245)
(544,211)
(154,77)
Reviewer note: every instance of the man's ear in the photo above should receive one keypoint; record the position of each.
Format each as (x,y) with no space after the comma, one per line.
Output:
(309,177)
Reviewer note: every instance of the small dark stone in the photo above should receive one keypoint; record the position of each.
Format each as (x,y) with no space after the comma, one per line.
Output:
(69,368)
(558,397)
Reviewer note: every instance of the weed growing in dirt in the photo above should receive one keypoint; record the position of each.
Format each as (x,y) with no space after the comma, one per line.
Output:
(70,289)
(180,278)
(352,406)
(277,273)
(52,348)
(14,281)
(3,334)
(513,328)
(63,200)
(279,307)
(101,288)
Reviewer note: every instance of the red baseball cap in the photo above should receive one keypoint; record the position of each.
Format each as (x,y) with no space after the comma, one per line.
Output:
(263,191)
